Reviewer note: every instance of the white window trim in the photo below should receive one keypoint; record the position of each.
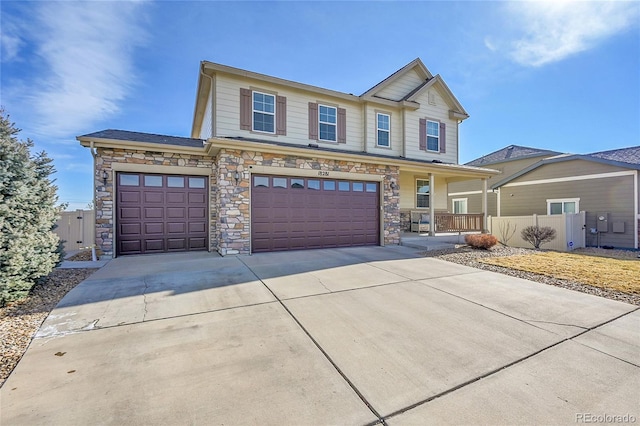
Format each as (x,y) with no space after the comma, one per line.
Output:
(253,111)
(420,193)
(378,129)
(563,200)
(335,125)
(427,133)
(466,204)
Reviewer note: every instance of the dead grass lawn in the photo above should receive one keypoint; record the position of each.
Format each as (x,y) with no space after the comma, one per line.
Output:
(614,274)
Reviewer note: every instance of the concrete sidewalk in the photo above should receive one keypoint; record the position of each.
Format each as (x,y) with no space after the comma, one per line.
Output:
(345,336)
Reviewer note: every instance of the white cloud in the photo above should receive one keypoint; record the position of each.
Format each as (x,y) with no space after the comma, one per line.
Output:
(556,30)
(86,70)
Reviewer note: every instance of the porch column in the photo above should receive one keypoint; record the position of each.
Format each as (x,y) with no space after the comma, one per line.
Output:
(432,215)
(484,204)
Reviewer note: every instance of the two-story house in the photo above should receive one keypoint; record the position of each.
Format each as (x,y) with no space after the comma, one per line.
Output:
(273,164)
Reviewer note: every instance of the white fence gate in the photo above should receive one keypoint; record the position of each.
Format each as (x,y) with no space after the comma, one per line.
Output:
(570,230)
(77,229)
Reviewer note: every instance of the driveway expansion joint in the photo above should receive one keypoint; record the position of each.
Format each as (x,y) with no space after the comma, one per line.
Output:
(326,355)
(144,297)
(511,364)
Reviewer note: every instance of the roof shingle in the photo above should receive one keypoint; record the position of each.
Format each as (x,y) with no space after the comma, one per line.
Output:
(511,152)
(125,135)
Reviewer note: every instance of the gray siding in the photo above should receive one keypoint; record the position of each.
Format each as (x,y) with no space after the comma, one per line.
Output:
(606,195)
(569,168)
(474,203)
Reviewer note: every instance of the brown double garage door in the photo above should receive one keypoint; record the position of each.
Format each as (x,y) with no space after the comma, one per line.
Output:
(160,213)
(292,213)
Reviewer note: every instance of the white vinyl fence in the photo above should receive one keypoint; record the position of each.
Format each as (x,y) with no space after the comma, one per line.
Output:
(77,229)
(570,230)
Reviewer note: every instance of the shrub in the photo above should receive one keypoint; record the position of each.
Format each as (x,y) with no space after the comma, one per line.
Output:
(481,241)
(537,236)
(29,250)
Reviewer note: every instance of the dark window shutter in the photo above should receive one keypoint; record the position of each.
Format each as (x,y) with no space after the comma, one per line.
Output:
(423,134)
(342,125)
(443,138)
(281,115)
(245,109)
(313,120)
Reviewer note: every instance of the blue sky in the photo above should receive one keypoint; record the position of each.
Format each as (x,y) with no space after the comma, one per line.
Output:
(558,75)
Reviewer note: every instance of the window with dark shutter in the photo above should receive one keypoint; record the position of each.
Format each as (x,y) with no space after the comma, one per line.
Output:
(245,109)
(423,134)
(281,115)
(342,125)
(313,120)
(443,138)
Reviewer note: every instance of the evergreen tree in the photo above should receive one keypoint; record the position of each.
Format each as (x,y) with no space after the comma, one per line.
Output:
(29,250)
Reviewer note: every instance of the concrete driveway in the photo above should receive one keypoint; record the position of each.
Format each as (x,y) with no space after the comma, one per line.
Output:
(349,336)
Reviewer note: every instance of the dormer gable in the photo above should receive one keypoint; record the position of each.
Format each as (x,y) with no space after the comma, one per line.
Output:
(456,111)
(401,83)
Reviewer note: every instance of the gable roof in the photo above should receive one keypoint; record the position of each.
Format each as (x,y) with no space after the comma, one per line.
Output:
(415,65)
(628,158)
(510,153)
(145,138)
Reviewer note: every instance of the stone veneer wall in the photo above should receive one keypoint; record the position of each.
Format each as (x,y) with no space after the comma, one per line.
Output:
(104,193)
(233,230)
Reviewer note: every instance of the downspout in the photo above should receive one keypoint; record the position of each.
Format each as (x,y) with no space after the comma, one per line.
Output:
(210,96)
(94,154)
(213,133)
(636,207)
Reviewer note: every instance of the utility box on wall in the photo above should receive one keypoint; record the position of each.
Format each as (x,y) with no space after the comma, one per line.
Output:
(602,222)
(618,227)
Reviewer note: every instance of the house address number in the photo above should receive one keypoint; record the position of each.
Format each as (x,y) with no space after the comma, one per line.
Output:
(323,173)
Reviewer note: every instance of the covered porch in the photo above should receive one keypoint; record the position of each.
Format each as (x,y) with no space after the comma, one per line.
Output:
(424,205)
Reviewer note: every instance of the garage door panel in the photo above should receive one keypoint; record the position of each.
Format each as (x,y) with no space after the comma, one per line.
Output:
(163,215)
(130,229)
(197,212)
(153,197)
(196,198)
(197,227)
(153,213)
(154,245)
(154,228)
(199,243)
(302,217)
(130,212)
(132,246)
(176,198)
(129,197)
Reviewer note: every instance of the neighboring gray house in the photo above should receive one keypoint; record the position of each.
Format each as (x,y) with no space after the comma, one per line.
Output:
(466,196)
(603,184)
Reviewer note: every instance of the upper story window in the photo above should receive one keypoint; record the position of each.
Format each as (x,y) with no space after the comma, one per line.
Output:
(264,112)
(384,130)
(569,205)
(433,136)
(327,121)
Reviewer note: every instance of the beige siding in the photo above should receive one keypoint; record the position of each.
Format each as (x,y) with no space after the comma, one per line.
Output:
(606,195)
(371,111)
(401,87)
(408,191)
(438,112)
(228,114)
(474,203)
(206,130)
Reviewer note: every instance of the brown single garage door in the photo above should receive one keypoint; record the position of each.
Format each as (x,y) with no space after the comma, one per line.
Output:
(160,213)
(291,213)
